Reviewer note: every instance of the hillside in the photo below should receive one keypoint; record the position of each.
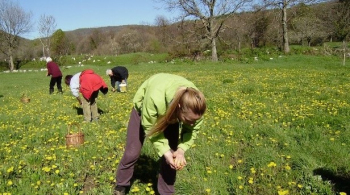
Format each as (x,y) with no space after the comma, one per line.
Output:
(88,31)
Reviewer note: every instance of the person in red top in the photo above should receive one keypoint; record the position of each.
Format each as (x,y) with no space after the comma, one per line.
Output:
(89,84)
(56,75)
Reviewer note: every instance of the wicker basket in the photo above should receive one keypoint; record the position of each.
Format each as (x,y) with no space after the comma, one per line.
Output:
(25,99)
(74,139)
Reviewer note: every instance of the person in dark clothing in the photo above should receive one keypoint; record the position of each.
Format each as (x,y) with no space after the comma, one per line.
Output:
(118,75)
(56,75)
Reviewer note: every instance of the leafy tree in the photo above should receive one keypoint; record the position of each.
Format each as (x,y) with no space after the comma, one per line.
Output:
(283,6)
(14,21)
(306,26)
(342,22)
(59,43)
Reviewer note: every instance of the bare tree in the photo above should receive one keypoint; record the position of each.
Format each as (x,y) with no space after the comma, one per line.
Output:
(163,30)
(14,21)
(47,26)
(211,13)
(129,40)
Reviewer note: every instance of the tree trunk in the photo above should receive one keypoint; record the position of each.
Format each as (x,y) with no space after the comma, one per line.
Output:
(214,55)
(239,47)
(44,52)
(344,56)
(12,66)
(9,55)
(285,28)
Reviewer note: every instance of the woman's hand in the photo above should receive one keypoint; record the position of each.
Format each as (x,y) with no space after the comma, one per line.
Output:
(169,159)
(180,160)
(79,100)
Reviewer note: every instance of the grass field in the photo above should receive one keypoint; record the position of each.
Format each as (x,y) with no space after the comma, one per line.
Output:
(273,127)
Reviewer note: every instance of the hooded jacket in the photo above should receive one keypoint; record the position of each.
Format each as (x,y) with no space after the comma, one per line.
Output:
(90,82)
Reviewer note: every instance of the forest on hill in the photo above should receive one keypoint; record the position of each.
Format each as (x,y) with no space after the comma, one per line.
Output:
(212,37)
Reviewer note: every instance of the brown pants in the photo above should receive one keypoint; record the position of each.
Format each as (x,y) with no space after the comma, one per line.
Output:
(90,107)
(134,143)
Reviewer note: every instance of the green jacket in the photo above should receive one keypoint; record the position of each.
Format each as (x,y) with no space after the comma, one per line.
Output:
(152,100)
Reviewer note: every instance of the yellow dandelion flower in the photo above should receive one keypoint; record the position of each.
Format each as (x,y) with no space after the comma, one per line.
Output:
(231,166)
(283,192)
(9,183)
(251,180)
(342,193)
(135,189)
(252,170)
(240,187)
(9,170)
(207,190)
(272,164)
(46,169)
(292,183)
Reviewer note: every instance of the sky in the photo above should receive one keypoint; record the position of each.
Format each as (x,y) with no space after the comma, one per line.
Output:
(74,14)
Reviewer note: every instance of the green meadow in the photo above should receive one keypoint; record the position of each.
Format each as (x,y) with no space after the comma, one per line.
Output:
(279,126)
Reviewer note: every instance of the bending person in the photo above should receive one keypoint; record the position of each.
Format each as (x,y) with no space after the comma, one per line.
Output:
(54,71)
(118,75)
(166,107)
(88,84)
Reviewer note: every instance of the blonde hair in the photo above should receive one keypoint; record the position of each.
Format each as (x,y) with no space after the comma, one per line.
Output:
(189,99)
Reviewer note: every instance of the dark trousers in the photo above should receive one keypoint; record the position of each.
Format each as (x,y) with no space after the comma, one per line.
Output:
(134,143)
(55,80)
